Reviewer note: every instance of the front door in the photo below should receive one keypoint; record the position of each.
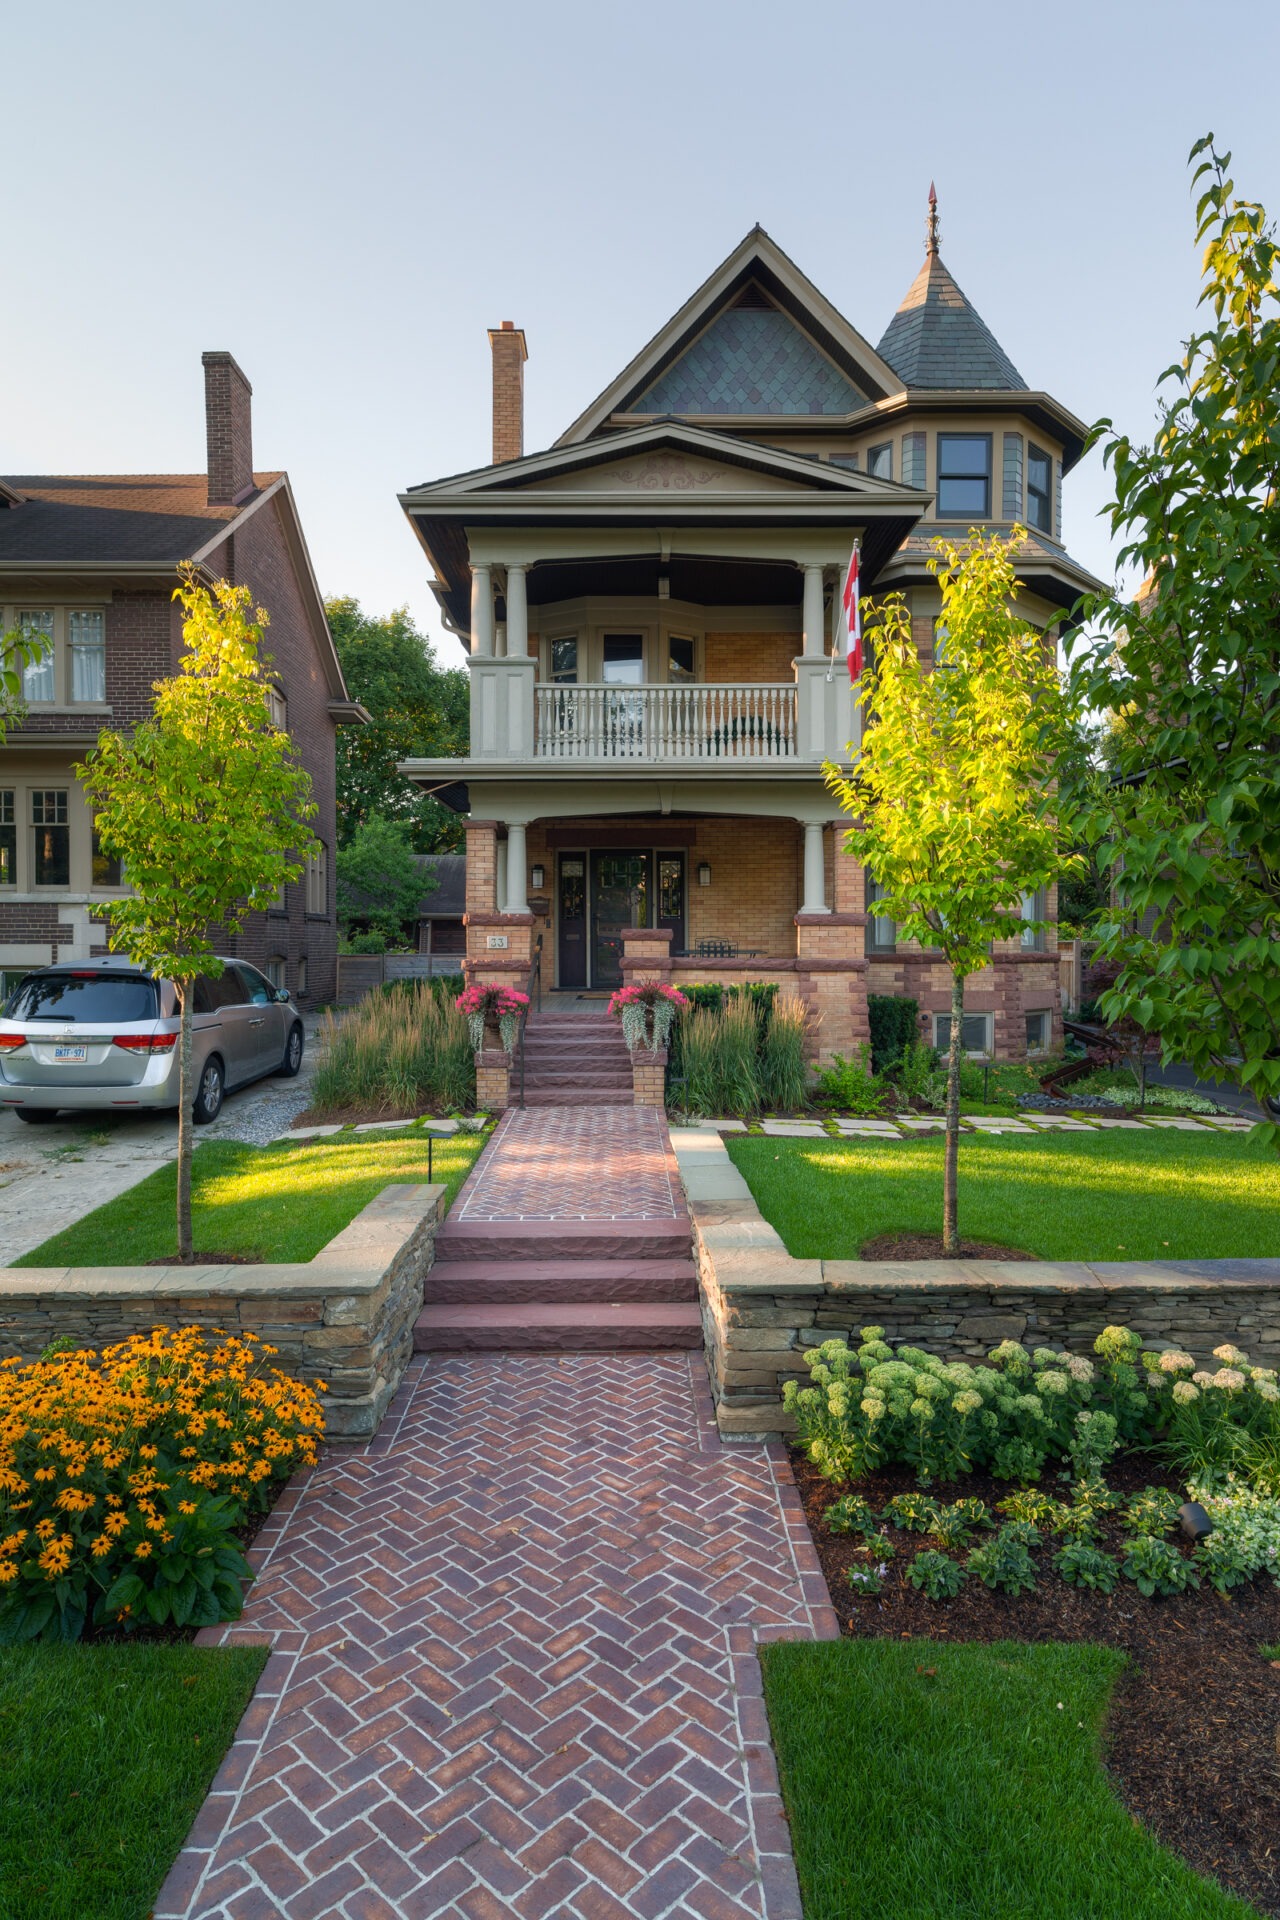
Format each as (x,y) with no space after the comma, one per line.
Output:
(620,897)
(671,897)
(572,919)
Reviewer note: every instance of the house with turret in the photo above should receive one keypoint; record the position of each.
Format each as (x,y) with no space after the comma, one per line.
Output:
(651,612)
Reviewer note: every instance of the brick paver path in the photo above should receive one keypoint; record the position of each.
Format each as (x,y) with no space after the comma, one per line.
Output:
(561,1163)
(514,1667)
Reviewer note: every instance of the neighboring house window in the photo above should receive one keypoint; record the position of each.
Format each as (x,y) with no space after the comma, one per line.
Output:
(880,461)
(277,708)
(882,934)
(302,975)
(964,476)
(318,880)
(87,638)
(1034,907)
(939,643)
(564,661)
(1039,1031)
(8,838)
(277,969)
(52,836)
(1039,488)
(847,460)
(38,679)
(975,1032)
(681,659)
(105,867)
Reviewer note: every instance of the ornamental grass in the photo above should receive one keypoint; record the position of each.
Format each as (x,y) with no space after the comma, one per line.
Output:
(403,1053)
(123,1477)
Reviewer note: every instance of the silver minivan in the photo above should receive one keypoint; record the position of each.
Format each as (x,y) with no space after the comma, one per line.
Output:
(104,1035)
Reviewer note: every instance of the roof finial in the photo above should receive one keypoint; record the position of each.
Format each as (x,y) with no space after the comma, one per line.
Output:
(931,224)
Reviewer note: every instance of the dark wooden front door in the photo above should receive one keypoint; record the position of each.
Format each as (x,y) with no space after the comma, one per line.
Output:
(671,897)
(572,918)
(620,897)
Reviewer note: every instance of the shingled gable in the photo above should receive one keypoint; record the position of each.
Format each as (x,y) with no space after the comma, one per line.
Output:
(757,340)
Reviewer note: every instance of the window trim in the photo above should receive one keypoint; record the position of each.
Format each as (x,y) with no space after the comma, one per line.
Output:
(1039,1013)
(36,826)
(1044,493)
(881,446)
(1035,906)
(877,924)
(965,513)
(316,883)
(11,616)
(276,701)
(971,1053)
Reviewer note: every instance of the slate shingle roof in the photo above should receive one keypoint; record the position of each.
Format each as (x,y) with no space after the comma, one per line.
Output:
(130,518)
(751,360)
(937,339)
(448,898)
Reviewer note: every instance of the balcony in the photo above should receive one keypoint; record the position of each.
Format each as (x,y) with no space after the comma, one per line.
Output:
(666,725)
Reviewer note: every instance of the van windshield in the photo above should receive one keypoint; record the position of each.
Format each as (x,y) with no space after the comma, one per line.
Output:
(113,999)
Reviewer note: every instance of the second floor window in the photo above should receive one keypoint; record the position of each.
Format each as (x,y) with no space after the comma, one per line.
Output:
(880,461)
(623,664)
(51,833)
(1034,907)
(964,476)
(38,679)
(1039,489)
(87,641)
(277,707)
(882,934)
(318,880)
(8,838)
(681,659)
(564,662)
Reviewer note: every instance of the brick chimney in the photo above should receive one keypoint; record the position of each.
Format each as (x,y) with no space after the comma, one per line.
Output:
(228,426)
(509,356)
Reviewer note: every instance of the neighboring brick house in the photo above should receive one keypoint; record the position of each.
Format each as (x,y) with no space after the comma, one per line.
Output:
(89,561)
(651,611)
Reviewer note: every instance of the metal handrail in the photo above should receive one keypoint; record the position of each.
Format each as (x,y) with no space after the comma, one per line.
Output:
(532,987)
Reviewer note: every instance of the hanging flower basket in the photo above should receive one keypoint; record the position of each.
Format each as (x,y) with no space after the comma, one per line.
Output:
(492,1010)
(647,1013)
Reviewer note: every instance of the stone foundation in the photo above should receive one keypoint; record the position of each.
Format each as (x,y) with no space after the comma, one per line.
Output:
(345,1318)
(763,1310)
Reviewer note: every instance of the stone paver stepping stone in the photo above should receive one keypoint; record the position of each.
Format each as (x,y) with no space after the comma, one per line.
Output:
(920,1124)
(867,1133)
(718,1126)
(1235,1123)
(514,1668)
(1053,1120)
(1183,1126)
(310,1133)
(793,1129)
(1121,1123)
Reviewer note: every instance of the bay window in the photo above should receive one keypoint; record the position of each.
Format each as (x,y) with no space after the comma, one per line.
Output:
(964,476)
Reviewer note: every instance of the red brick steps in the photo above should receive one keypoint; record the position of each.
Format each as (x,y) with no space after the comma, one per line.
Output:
(474,1282)
(575,1060)
(563,1327)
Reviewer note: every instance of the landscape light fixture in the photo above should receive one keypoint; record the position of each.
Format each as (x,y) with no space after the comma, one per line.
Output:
(1195,1521)
(704,873)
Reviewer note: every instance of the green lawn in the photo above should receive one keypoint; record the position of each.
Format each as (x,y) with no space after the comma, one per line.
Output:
(928,1781)
(107,1753)
(1097,1196)
(282,1202)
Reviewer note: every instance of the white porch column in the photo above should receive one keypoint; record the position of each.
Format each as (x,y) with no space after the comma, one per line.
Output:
(481,613)
(517,615)
(500,876)
(812,613)
(815,877)
(517,868)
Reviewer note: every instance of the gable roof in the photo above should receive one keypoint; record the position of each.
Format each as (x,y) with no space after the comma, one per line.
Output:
(806,352)
(447,900)
(938,339)
(131,519)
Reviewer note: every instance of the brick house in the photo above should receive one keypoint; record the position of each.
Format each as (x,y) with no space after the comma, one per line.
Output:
(651,612)
(88,561)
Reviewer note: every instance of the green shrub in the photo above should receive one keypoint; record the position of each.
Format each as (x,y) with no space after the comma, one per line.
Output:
(407,1052)
(1156,1566)
(1004,1564)
(850,1085)
(895,1026)
(1082,1565)
(914,1512)
(852,1514)
(936,1575)
(1154,1510)
(1038,1509)
(956,1522)
(1246,1534)
(920,1076)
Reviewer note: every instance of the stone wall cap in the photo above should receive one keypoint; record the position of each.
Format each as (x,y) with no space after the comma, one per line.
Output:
(759,1270)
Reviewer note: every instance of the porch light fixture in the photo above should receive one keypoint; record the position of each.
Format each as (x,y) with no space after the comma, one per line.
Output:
(538,878)
(704,873)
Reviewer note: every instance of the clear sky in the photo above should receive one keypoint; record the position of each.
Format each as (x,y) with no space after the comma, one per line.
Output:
(347,196)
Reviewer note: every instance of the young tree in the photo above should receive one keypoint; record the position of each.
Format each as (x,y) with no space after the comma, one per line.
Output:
(952,791)
(418,708)
(1190,668)
(17,651)
(380,884)
(205,805)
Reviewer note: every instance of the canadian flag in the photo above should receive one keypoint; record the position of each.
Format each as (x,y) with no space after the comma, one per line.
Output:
(853,619)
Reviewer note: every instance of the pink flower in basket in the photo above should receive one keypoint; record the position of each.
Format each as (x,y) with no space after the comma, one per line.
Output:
(647,1012)
(492,1006)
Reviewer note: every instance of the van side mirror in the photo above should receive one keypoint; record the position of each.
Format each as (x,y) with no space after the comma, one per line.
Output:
(282,993)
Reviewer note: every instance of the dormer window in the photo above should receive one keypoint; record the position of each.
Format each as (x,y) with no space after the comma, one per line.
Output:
(1039,489)
(964,476)
(880,461)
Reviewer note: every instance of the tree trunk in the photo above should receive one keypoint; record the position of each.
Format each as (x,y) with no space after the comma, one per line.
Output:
(950,1233)
(186,1125)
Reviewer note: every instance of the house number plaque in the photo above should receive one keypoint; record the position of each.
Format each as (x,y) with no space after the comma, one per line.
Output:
(498,940)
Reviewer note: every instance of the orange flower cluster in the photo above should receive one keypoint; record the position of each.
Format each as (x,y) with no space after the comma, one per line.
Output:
(150,1453)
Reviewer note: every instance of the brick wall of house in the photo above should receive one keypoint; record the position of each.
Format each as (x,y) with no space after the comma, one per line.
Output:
(757,658)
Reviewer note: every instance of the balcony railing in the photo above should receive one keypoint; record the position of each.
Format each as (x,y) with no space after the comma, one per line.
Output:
(707,721)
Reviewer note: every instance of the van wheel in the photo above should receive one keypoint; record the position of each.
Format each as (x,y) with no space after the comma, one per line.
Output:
(36,1116)
(292,1061)
(209,1099)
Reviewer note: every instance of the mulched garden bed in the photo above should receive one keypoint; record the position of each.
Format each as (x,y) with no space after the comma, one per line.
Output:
(1194,1730)
(928,1246)
(351,1116)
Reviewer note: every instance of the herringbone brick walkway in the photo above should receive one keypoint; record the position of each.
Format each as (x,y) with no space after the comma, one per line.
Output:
(514,1669)
(586,1163)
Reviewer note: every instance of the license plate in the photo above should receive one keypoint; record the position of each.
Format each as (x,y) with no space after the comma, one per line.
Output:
(71,1053)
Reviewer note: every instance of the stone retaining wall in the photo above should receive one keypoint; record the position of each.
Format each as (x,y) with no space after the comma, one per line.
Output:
(762,1309)
(345,1318)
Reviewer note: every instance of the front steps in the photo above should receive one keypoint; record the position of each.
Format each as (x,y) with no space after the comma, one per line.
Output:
(574,1060)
